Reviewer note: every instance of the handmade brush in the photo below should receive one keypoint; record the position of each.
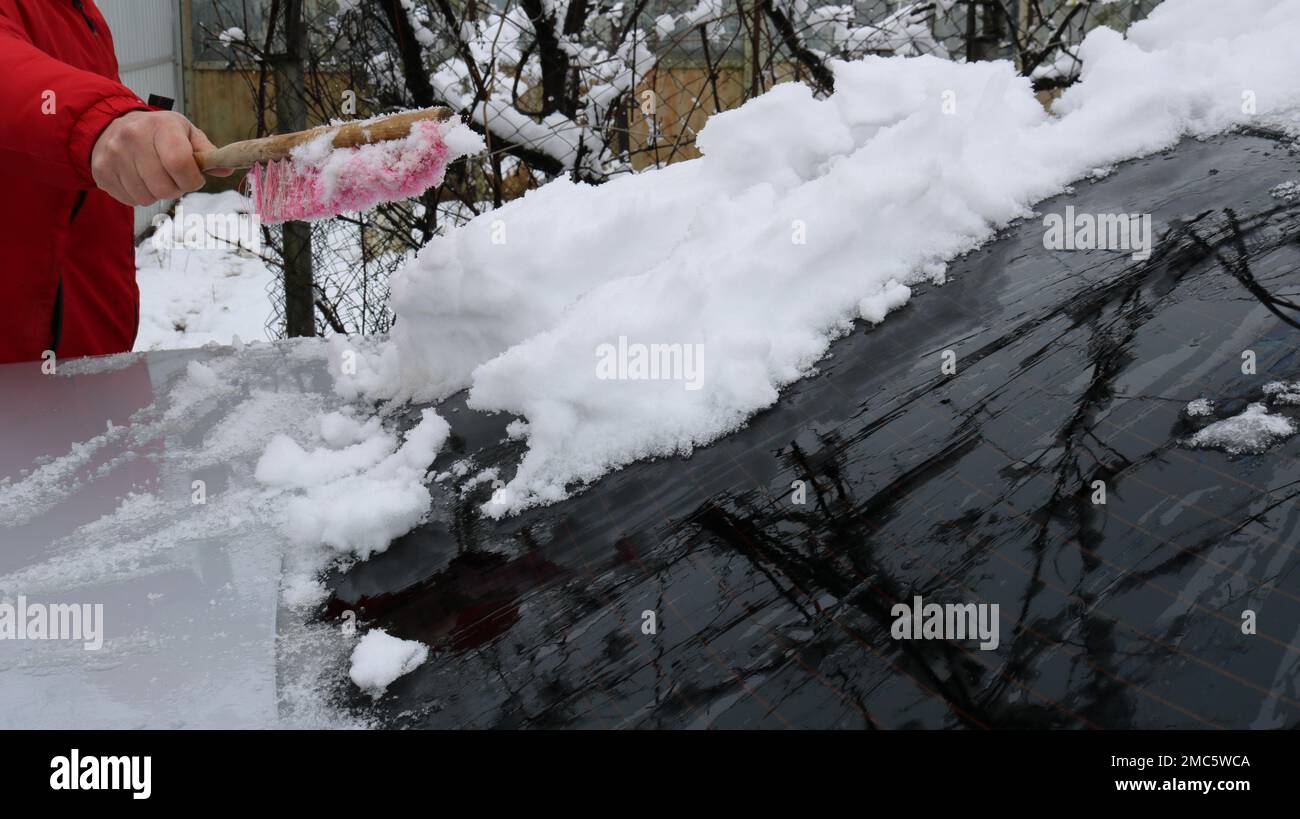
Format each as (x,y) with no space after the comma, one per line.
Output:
(337,169)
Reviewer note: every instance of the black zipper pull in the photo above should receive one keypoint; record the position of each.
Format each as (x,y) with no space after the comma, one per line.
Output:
(80,6)
(76,206)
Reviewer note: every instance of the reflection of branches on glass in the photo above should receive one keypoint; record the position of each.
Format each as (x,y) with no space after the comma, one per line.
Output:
(1236,262)
(584,89)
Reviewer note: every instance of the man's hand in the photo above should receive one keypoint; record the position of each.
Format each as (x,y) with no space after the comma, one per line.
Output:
(145,156)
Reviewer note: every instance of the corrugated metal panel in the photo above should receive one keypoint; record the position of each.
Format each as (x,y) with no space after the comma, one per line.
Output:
(146,36)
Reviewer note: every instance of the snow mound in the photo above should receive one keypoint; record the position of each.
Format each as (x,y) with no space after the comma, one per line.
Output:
(801,216)
(359,496)
(1199,407)
(1283,392)
(1287,191)
(892,296)
(381,658)
(1253,431)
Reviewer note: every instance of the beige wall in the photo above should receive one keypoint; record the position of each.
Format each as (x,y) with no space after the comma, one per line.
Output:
(686,100)
(223,104)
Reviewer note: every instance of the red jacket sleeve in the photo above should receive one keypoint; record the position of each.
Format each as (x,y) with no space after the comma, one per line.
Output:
(50,137)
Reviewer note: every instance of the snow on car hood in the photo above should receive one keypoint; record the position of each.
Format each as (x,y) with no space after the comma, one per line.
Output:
(658,312)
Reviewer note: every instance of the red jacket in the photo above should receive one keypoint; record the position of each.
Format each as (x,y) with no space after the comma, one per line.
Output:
(67,273)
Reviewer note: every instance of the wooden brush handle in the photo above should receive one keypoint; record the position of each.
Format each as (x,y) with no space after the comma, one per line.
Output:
(245,154)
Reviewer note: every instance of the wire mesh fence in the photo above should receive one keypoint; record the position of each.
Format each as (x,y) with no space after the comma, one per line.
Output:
(585,89)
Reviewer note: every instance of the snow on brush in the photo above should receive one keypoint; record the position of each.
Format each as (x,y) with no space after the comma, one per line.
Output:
(801,216)
(381,658)
(322,181)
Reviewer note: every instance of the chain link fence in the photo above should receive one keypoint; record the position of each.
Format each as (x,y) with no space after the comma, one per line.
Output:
(587,89)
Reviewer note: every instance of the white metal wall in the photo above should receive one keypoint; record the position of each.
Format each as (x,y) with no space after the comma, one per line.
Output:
(146,36)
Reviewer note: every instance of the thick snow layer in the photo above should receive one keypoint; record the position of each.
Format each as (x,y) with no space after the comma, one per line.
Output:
(1253,431)
(380,658)
(795,221)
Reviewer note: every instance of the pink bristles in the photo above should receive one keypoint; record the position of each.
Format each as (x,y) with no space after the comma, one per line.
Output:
(319,181)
